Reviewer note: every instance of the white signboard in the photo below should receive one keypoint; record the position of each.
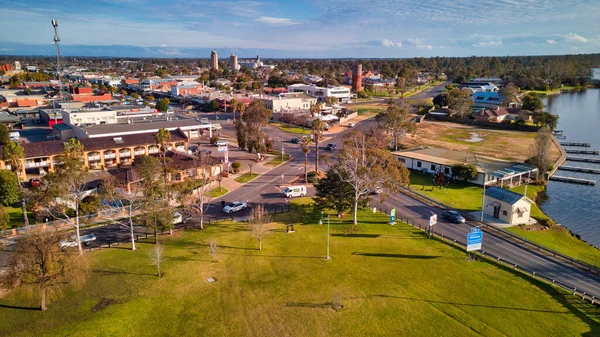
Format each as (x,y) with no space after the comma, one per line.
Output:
(433,220)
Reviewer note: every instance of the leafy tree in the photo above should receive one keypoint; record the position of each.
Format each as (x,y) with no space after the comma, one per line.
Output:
(9,188)
(333,192)
(331,100)
(213,105)
(249,127)
(459,102)
(27,91)
(397,121)
(14,81)
(532,103)
(13,154)
(4,134)
(543,118)
(90,204)
(316,109)
(163,105)
(4,218)
(135,95)
(464,172)
(123,92)
(509,93)
(41,266)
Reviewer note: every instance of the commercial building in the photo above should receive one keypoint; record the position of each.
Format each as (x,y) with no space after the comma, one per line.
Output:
(190,127)
(342,94)
(492,171)
(289,102)
(251,63)
(214,60)
(160,84)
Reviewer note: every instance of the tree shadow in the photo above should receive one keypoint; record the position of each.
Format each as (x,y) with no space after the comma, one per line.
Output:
(399,256)
(16,307)
(274,256)
(112,272)
(371,236)
(309,305)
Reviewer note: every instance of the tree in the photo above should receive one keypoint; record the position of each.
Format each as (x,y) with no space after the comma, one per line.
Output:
(40,265)
(509,93)
(163,105)
(213,248)
(459,102)
(331,100)
(317,128)
(123,92)
(157,256)
(195,202)
(27,91)
(61,191)
(259,221)
(135,95)
(306,150)
(464,172)
(333,192)
(4,218)
(540,152)
(364,165)
(401,86)
(13,154)
(14,81)
(441,100)
(532,103)
(397,121)
(90,204)
(316,108)
(4,134)
(249,127)
(158,216)
(543,118)
(213,105)
(9,188)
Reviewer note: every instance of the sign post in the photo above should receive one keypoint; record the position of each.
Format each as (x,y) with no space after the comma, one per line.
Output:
(393,216)
(432,222)
(474,239)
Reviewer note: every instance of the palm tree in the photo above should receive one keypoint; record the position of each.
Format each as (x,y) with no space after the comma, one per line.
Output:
(13,153)
(317,127)
(306,149)
(233,104)
(316,109)
(162,138)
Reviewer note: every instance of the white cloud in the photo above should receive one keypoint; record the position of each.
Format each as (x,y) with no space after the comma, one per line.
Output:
(417,44)
(487,44)
(572,37)
(551,41)
(277,21)
(390,43)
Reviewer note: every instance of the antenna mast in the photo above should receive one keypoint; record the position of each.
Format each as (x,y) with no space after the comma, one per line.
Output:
(56,43)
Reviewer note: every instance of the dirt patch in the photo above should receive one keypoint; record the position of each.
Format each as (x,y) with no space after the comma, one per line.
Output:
(506,145)
(104,302)
(534,227)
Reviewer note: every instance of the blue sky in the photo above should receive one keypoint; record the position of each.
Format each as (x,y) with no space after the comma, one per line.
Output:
(304,28)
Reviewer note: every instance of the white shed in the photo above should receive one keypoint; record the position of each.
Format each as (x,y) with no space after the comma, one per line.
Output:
(507,206)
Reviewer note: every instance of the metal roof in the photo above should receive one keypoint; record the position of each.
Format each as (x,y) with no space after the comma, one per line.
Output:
(512,171)
(503,195)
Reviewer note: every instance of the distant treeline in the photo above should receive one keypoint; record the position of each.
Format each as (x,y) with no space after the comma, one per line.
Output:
(527,72)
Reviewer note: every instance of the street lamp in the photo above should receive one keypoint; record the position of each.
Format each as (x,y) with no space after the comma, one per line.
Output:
(328,257)
(484,166)
(321,221)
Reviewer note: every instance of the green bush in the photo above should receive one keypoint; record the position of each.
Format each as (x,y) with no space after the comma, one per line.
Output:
(311,177)
(214,139)
(236,166)
(9,188)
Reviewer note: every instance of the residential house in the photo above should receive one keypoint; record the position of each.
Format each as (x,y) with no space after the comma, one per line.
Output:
(497,114)
(507,206)
(487,99)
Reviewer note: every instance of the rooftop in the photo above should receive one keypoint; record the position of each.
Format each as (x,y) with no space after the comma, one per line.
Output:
(504,195)
(140,126)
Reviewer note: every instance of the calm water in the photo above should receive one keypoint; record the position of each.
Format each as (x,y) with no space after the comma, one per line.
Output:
(577,207)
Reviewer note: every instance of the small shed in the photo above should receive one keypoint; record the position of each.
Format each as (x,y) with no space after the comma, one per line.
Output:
(507,206)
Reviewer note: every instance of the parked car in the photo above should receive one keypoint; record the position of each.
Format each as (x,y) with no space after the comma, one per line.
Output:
(177,218)
(14,136)
(350,125)
(330,147)
(221,143)
(34,182)
(377,190)
(295,140)
(234,207)
(294,191)
(72,240)
(453,216)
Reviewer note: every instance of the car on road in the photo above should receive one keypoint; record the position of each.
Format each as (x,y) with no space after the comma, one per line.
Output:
(221,143)
(377,190)
(72,240)
(294,191)
(34,182)
(235,207)
(453,216)
(350,125)
(330,147)
(177,218)
(295,140)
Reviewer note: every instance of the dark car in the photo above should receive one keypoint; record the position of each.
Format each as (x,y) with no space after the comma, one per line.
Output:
(295,140)
(330,147)
(453,216)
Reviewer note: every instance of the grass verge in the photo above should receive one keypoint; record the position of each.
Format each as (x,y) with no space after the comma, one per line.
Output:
(292,129)
(246,177)
(378,272)
(276,161)
(459,195)
(217,192)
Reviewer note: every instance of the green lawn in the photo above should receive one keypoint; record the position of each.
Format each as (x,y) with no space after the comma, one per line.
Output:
(246,177)
(292,129)
(392,281)
(459,195)
(277,159)
(15,215)
(217,192)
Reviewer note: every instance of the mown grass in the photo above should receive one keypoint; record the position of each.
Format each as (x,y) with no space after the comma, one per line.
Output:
(246,177)
(292,129)
(392,281)
(15,216)
(277,160)
(217,192)
(458,195)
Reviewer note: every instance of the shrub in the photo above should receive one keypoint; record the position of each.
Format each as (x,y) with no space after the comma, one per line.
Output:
(236,166)
(311,177)
(214,139)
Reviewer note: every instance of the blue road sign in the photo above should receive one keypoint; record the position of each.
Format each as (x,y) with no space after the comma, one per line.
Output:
(474,240)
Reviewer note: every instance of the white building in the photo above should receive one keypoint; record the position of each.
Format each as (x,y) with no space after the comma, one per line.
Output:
(507,206)
(89,117)
(342,94)
(288,102)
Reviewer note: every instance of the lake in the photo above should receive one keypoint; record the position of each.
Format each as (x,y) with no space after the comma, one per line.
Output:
(577,207)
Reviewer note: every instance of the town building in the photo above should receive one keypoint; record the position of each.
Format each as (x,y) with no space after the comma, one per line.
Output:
(214,60)
(251,63)
(342,94)
(289,102)
(190,127)
(429,160)
(233,62)
(507,206)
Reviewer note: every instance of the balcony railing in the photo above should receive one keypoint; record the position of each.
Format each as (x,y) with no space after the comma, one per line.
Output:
(125,154)
(110,155)
(96,157)
(37,164)
(153,150)
(140,152)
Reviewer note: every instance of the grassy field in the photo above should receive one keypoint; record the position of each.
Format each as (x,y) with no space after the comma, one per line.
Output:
(506,145)
(459,195)
(246,177)
(277,159)
(391,280)
(292,129)
(217,192)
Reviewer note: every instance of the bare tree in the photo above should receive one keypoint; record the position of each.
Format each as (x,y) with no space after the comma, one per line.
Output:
(540,152)
(250,164)
(197,202)
(259,221)
(40,265)
(213,248)
(157,256)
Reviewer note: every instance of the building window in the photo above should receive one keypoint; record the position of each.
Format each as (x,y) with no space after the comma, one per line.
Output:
(446,170)
(432,167)
(419,164)
(505,213)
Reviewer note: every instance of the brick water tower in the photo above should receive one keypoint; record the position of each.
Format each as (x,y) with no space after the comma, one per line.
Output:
(357,78)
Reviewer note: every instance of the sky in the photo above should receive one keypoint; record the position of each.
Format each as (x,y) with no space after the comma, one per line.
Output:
(301,28)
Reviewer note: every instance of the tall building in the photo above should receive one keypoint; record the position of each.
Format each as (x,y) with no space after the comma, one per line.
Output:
(357,78)
(233,62)
(214,60)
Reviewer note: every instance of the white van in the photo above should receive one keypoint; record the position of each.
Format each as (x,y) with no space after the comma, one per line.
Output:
(14,136)
(294,191)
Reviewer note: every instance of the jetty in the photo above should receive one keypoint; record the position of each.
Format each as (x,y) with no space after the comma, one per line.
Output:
(560,137)
(575,144)
(557,132)
(580,169)
(592,152)
(584,159)
(573,180)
